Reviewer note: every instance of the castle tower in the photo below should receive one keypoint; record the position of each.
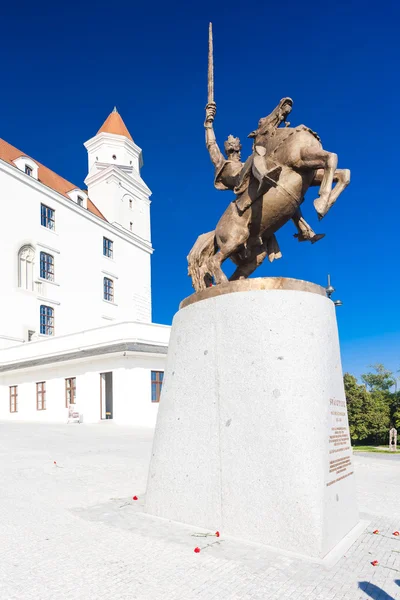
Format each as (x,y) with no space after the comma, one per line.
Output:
(114,182)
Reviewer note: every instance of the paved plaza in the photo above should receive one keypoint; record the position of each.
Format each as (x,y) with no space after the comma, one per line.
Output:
(71,530)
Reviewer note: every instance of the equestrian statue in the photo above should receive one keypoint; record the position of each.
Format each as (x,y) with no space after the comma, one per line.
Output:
(269,189)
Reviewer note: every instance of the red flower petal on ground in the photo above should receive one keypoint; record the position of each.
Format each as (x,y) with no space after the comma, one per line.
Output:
(375,563)
(135,498)
(396,533)
(197,549)
(376,531)
(217,534)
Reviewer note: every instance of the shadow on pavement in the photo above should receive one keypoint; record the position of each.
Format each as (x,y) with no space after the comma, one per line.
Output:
(374,591)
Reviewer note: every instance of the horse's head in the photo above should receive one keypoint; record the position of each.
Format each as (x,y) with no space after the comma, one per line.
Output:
(274,119)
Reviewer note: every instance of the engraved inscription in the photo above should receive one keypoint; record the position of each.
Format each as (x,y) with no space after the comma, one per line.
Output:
(339,442)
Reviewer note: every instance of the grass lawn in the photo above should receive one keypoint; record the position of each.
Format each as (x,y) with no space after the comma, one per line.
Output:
(382,449)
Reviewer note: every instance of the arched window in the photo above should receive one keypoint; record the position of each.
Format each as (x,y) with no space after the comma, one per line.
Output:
(26,263)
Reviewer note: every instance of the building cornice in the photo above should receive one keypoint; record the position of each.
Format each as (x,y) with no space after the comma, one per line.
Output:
(68,203)
(121,348)
(133,180)
(116,140)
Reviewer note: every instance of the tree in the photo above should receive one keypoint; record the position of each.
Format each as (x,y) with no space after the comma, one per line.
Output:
(357,398)
(382,379)
(369,412)
(395,410)
(379,415)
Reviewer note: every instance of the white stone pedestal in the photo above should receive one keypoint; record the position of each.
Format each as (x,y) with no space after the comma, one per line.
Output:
(252,435)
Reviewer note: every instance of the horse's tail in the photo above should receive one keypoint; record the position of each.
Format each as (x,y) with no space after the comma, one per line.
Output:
(198,260)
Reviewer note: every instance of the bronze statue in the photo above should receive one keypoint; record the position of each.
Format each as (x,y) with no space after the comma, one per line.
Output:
(270,187)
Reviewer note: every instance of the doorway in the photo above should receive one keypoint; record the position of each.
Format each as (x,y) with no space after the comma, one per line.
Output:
(106,396)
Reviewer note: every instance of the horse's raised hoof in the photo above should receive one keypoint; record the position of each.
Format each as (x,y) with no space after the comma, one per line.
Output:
(317,237)
(320,205)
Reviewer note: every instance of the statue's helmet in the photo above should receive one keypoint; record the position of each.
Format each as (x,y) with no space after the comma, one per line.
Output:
(232,144)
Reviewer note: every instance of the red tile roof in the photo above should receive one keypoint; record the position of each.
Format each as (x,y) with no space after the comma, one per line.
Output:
(115,124)
(9,153)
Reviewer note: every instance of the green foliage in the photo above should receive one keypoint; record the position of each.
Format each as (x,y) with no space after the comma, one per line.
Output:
(374,410)
(357,400)
(395,410)
(381,380)
(379,417)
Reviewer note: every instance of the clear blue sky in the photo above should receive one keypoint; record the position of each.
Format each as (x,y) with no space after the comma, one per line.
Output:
(64,69)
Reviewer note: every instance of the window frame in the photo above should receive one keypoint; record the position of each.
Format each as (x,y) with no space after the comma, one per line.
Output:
(28,168)
(79,200)
(48,327)
(156,385)
(107,295)
(13,398)
(70,391)
(47,264)
(108,247)
(41,395)
(46,218)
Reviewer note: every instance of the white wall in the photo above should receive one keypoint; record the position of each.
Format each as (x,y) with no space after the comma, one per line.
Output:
(83,320)
(131,373)
(77,247)
(131,390)
(104,146)
(147,333)
(114,182)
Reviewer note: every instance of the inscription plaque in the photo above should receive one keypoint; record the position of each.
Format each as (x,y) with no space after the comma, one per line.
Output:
(340,464)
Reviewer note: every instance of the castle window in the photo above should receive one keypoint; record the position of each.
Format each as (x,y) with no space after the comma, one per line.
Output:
(27,166)
(114,157)
(46,266)
(41,395)
(13,398)
(46,320)
(47,216)
(130,203)
(131,226)
(26,261)
(157,378)
(107,247)
(108,290)
(70,391)
(78,196)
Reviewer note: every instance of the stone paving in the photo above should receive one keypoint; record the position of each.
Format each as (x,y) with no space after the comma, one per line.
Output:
(71,530)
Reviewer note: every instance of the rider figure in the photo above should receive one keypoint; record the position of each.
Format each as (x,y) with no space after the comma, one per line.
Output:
(230,172)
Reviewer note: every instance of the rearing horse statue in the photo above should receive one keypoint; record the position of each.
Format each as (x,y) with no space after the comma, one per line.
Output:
(269,188)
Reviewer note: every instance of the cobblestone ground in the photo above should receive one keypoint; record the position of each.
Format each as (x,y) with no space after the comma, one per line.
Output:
(71,530)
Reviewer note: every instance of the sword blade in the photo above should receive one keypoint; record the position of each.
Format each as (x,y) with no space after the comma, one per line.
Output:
(210,65)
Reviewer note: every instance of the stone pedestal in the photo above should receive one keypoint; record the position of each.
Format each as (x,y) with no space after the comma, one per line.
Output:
(252,435)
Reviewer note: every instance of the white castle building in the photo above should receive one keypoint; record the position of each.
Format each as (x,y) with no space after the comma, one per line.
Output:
(76,336)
